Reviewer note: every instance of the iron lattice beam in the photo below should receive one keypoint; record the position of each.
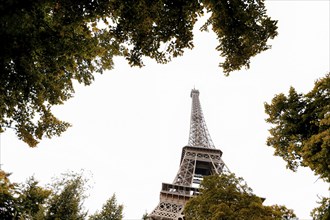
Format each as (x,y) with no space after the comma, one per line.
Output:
(198,159)
(199,135)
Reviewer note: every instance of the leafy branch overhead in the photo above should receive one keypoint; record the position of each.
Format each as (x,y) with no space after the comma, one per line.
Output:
(45,45)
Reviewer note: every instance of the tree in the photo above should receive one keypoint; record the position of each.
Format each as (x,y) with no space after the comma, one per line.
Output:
(301,128)
(32,200)
(46,45)
(227,197)
(21,201)
(8,201)
(110,211)
(323,211)
(66,201)
(301,132)
(282,212)
(63,199)
(145,216)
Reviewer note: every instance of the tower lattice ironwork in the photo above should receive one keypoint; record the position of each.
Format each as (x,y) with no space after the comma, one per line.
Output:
(198,159)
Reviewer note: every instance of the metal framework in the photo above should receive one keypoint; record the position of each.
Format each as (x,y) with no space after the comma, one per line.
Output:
(198,135)
(198,159)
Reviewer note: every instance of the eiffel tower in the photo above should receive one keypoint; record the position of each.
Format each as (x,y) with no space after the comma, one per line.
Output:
(198,159)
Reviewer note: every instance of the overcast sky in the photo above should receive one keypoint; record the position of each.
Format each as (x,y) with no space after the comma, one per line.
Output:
(130,125)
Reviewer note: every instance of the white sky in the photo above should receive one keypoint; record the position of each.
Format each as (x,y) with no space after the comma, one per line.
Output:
(130,125)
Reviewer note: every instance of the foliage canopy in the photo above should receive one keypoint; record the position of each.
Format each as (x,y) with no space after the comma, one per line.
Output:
(323,211)
(63,199)
(110,211)
(227,197)
(66,200)
(301,127)
(21,201)
(45,45)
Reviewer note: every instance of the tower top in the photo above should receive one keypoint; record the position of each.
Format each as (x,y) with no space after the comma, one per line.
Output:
(194,92)
(198,159)
(199,135)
